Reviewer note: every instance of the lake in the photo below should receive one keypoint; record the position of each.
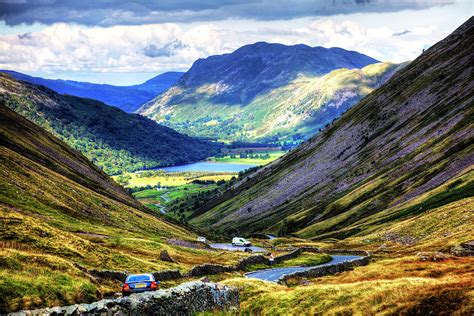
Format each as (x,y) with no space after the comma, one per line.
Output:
(209,166)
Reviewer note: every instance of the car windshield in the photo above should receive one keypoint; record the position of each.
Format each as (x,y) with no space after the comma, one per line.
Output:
(138,278)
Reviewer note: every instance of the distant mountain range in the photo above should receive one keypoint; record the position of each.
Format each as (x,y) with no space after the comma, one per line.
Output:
(127,98)
(116,141)
(396,167)
(267,92)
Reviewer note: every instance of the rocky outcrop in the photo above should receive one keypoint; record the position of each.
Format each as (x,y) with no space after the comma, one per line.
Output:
(432,256)
(207,268)
(465,249)
(326,270)
(185,299)
(165,256)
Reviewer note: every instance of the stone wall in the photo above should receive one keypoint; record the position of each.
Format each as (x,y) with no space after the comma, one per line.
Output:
(167,275)
(103,274)
(245,262)
(185,299)
(347,252)
(288,256)
(204,269)
(326,270)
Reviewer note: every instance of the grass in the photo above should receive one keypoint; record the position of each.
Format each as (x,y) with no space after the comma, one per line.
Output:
(174,179)
(387,286)
(305,259)
(251,161)
(57,210)
(286,113)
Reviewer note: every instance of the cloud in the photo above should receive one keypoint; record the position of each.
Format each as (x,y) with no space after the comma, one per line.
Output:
(377,42)
(145,48)
(156,48)
(167,50)
(401,33)
(126,12)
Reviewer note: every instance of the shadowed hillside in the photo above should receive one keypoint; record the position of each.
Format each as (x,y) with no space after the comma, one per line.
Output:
(114,140)
(406,150)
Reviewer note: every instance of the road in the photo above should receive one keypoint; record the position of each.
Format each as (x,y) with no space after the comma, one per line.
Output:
(236,248)
(275,274)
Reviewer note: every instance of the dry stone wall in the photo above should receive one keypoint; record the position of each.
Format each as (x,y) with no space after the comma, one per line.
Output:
(185,299)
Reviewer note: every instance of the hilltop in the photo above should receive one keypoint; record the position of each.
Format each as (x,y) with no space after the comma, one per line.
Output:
(267,92)
(127,98)
(390,169)
(114,140)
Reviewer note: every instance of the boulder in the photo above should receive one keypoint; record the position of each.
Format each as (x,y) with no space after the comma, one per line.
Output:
(165,256)
(432,256)
(465,249)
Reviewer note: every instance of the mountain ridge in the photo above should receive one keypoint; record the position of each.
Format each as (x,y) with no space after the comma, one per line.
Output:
(127,98)
(231,96)
(397,145)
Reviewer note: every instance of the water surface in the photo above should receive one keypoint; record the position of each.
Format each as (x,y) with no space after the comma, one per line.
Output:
(209,166)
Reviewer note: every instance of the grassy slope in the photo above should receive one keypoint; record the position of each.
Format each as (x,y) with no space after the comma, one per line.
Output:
(300,107)
(114,140)
(366,170)
(56,209)
(405,286)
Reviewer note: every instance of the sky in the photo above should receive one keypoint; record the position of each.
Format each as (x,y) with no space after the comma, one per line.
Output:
(127,42)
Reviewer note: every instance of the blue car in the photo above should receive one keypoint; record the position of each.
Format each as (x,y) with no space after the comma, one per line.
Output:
(137,283)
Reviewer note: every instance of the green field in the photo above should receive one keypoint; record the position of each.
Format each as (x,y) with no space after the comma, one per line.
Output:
(235,158)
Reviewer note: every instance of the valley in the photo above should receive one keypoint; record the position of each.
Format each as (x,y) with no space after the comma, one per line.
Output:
(168,189)
(270,180)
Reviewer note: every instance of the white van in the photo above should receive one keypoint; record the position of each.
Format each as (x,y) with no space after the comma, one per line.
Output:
(239,241)
(201,239)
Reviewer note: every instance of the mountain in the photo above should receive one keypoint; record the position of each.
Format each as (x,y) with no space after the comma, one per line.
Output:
(266,91)
(396,166)
(114,140)
(58,210)
(127,98)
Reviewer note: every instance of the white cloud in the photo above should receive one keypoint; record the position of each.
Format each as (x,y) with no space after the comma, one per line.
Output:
(65,47)
(69,49)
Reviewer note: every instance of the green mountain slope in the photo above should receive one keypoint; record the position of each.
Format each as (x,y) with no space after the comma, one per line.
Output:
(267,92)
(59,211)
(114,140)
(51,199)
(405,150)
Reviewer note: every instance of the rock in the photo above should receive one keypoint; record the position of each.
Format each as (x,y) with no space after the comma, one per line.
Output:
(165,256)
(465,249)
(304,282)
(432,256)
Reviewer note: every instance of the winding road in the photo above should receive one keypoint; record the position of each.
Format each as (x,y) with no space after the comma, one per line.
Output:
(274,274)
